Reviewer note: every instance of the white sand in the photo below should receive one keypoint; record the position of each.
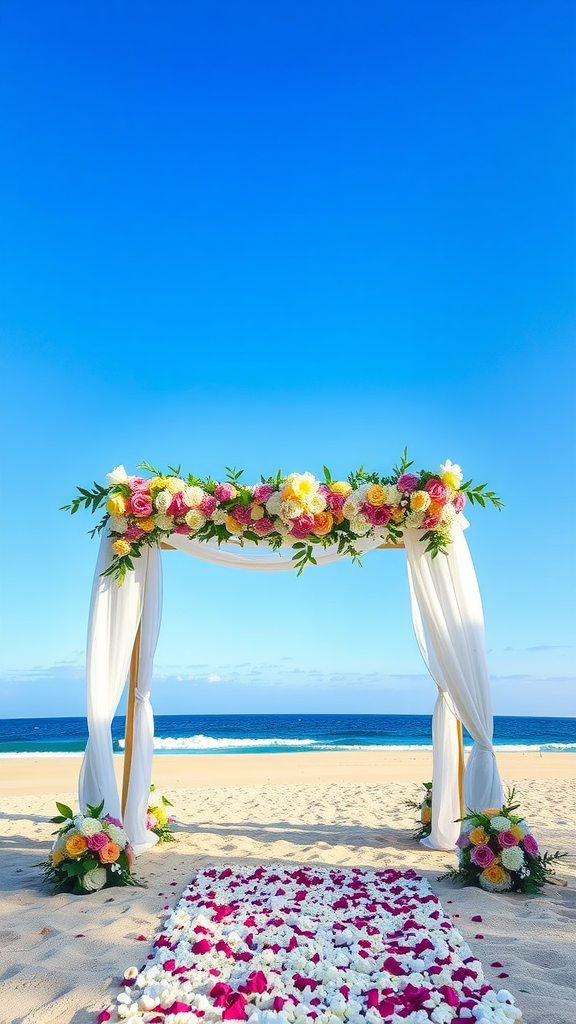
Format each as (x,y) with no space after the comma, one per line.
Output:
(331,809)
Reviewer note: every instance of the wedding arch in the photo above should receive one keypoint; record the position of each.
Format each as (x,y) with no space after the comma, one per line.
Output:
(303,521)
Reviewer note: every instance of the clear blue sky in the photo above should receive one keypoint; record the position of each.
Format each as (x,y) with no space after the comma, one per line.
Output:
(282,235)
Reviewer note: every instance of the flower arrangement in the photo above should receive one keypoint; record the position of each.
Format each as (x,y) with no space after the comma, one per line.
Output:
(423,827)
(157,817)
(297,511)
(498,852)
(90,852)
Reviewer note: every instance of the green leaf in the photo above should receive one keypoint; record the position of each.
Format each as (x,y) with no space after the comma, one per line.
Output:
(65,810)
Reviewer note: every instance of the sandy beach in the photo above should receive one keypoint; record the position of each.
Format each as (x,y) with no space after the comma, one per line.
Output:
(64,956)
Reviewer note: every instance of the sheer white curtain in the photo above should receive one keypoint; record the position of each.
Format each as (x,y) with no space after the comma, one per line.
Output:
(252,557)
(143,745)
(449,622)
(113,621)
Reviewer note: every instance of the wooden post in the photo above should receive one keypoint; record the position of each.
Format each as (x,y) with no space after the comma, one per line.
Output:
(461,766)
(130,707)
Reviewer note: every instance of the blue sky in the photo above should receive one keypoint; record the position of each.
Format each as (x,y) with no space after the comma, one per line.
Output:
(288,235)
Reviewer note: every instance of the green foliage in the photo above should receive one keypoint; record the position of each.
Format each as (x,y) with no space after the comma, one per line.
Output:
(480,495)
(404,465)
(90,500)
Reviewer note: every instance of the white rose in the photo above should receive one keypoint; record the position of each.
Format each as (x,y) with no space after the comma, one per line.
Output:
(117,835)
(163,500)
(118,524)
(316,504)
(117,476)
(360,525)
(90,826)
(392,493)
(163,522)
(350,508)
(94,879)
(193,496)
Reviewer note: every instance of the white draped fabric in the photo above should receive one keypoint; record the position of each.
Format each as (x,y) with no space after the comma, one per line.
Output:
(448,622)
(143,839)
(449,625)
(114,617)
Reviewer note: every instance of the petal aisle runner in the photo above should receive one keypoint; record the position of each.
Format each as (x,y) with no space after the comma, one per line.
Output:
(283,945)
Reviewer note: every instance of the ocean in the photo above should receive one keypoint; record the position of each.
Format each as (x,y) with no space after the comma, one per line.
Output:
(270,734)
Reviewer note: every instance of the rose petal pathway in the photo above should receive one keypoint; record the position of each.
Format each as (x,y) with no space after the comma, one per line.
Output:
(294,945)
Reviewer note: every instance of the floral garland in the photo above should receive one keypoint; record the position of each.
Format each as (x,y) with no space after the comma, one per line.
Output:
(286,945)
(90,852)
(498,852)
(298,510)
(423,827)
(158,819)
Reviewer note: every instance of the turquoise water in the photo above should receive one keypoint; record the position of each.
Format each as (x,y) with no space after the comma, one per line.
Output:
(213,734)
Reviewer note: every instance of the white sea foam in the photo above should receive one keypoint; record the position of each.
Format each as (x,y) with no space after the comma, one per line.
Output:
(201,744)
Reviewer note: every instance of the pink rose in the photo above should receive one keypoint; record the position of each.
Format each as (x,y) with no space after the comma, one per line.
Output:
(225,492)
(151,820)
(335,501)
(97,841)
(182,528)
(140,505)
(482,856)
(133,533)
(437,490)
(242,514)
(301,526)
(208,505)
(530,845)
(507,839)
(378,516)
(262,493)
(177,506)
(138,483)
(112,821)
(407,483)
(431,522)
(263,526)
(458,501)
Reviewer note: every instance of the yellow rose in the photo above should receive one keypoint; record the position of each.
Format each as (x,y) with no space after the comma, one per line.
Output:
(451,480)
(302,487)
(287,493)
(75,845)
(147,524)
(323,523)
(157,484)
(121,547)
(57,857)
(175,484)
(494,874)
(491,812)
(517,832)
(116,505)
(257,512)
(341,487)
(232,525)
(419,501)
(478,836)
(161,815)
(338,516)
(376,495)
(397,515)
(426,815)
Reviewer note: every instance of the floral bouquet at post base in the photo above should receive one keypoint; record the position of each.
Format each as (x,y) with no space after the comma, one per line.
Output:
(158,820)
(498,852)
(423,827)
(90,852)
